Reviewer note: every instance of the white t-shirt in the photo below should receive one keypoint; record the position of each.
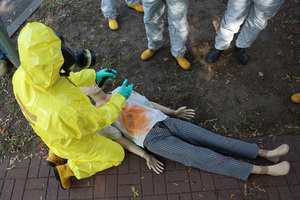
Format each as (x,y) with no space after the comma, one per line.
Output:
(136,119)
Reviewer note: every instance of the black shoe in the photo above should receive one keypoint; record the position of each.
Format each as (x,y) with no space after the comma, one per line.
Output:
(241,55)
(213,56)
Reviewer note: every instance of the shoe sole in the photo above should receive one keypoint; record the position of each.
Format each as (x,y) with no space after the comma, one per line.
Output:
(50,164)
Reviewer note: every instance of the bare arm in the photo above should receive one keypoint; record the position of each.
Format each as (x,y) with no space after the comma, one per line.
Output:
(152,162)
(181,112)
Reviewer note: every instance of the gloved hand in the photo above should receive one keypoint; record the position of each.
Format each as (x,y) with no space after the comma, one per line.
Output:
(103,73)
(126,91)
(184,113)
(153,163)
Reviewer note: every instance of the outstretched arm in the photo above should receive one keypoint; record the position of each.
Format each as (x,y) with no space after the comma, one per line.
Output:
(181,112)
(152,162)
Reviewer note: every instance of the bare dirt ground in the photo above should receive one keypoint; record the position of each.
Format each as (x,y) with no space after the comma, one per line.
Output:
(230,99)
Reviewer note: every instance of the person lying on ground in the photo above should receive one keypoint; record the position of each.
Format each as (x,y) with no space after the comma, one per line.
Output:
(147,125)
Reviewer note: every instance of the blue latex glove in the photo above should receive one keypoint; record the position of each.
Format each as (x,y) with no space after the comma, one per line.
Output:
(102,73)
(126,91)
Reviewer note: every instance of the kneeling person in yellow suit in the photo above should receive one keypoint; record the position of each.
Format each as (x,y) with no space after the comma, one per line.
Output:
(59,112)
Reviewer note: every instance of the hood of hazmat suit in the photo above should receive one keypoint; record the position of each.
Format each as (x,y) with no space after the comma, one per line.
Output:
(58,111)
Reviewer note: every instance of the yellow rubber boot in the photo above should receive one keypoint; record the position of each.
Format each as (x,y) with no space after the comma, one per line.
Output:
(183,62)
(296,98)
(138,7)
(53,160)
(146,55)
(113,24)
(62,174)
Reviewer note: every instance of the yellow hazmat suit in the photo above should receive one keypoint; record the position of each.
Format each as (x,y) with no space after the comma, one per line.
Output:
(58,111)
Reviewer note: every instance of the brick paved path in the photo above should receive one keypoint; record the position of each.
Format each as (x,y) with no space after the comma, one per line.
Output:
(31,179)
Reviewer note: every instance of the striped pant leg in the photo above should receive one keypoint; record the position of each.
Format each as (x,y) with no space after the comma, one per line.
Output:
(161,142)
(198,136)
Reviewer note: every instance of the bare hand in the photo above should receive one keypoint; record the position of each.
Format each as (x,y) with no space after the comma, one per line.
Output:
(184,113)
(154,164)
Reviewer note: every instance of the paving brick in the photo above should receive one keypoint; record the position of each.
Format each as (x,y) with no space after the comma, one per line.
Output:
(124,179)
(124,166)
(63,194)
(207,180)
(147,184)
(291,156)
(235,194)
(168,164)
(18,189)
(7,189)
(159,184)
(291,177)
(16,173)
(295,190)
(210,195)
(100,186)
(23,164)
(52,189)
(296,167)
(173,197)
(186,196)
(284,192)
(275,180)
(144,167)
(178,175)
(111,189)
(195,180)
(1,183)
(226,183)
(178,187)
(34,194)
(37,183)
(81,193)
(126,190)
(155,197)
(273,193)
(112,170)
(134,163)
(223,195)
(3,167)
(34,167)
(85,182)
(179,166)
(44,170)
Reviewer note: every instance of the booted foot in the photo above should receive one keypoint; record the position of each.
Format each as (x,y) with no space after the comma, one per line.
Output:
(274,155)
(183,62)
(53,160)
(146,55)
(138,7)
(241,55)
(3,68)
(213,56)
(62,174)
(113,24)
(296,98)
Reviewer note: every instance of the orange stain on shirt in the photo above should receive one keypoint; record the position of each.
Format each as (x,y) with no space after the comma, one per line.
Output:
(134,119)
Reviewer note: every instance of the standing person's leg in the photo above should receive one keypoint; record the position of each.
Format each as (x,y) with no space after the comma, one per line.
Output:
(178,30)
(135,5)
(108,8)
(236,13)
(154,24)
(260,13)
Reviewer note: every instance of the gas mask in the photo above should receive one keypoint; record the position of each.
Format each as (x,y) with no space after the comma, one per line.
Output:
(82,58)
